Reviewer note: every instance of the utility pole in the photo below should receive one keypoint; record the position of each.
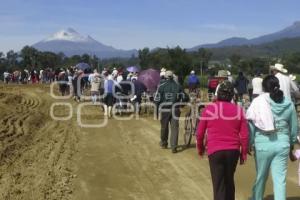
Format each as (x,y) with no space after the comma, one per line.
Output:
(201,68)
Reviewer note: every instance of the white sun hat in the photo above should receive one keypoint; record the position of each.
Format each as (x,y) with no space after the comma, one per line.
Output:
(169,74)
(279,67)
(292,77)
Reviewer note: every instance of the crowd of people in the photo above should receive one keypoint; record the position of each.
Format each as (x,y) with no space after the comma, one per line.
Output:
(227,133)
(269,128)
(25,76)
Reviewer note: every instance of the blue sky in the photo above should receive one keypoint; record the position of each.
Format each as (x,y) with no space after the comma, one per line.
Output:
(128,24)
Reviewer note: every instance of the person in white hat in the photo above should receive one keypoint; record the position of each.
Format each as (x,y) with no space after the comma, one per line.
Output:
(162,76)
(168,94)
(286,84)
(295,96)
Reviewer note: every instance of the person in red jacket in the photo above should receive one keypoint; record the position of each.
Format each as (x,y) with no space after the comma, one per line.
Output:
(227,140)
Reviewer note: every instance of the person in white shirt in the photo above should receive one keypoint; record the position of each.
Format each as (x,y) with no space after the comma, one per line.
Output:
(286,84)
(6,76)
(230,78)
(120,77)
(257,85)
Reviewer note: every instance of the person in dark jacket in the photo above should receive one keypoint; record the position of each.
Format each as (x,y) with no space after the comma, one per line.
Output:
(240,85)
(166,96)
(139,89)
(77,81)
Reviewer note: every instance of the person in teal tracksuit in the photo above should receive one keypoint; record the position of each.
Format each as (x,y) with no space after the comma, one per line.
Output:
(271,150)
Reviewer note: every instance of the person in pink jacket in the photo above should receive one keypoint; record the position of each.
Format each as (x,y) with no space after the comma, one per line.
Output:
(226,130)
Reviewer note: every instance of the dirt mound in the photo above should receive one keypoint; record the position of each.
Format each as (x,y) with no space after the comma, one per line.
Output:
(35,151)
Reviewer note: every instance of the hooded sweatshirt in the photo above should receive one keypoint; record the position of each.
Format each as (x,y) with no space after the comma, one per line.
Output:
(286,125)
(226,128)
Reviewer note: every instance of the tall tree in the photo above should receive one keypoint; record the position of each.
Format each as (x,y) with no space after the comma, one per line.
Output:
(86,58)
(180,62)
(204,58)
(11,57)
(29,55)
(144,55)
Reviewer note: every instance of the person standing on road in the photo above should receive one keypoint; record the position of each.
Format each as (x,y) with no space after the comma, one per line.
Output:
(286,84)
(193,82)
(139,89)
(6,76)
(168,94)
(274,127)
(109,99)
(227,140)
(95,85)
(241,85)
(257,85)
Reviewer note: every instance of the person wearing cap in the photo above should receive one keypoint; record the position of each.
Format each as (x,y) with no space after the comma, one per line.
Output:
(214,83)
(226,130)
(193,82)
(169,93)
(286,84)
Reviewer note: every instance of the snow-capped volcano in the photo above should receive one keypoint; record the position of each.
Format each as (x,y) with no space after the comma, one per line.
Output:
(68,34)
(70,42)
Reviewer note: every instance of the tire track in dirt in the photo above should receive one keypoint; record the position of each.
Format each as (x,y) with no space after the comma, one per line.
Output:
(36,152)
(13,124)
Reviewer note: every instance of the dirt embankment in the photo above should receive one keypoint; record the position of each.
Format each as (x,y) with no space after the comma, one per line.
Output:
(35,151)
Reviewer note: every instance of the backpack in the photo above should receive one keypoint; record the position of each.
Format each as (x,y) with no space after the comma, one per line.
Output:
(213,83)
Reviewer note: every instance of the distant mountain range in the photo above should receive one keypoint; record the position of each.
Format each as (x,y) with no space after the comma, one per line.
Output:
(271,49)
(70,42)
(292,31)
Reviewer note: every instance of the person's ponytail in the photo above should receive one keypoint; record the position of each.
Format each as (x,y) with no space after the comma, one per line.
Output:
(276,95)
(271,85)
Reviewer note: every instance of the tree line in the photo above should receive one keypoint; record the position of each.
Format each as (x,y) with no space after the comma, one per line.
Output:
(177,59)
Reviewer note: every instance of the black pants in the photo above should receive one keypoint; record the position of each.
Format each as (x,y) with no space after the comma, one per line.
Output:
(222,168)
(250,92)
(166,119)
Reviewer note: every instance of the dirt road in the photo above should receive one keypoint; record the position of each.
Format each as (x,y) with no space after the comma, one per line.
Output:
(46,159)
